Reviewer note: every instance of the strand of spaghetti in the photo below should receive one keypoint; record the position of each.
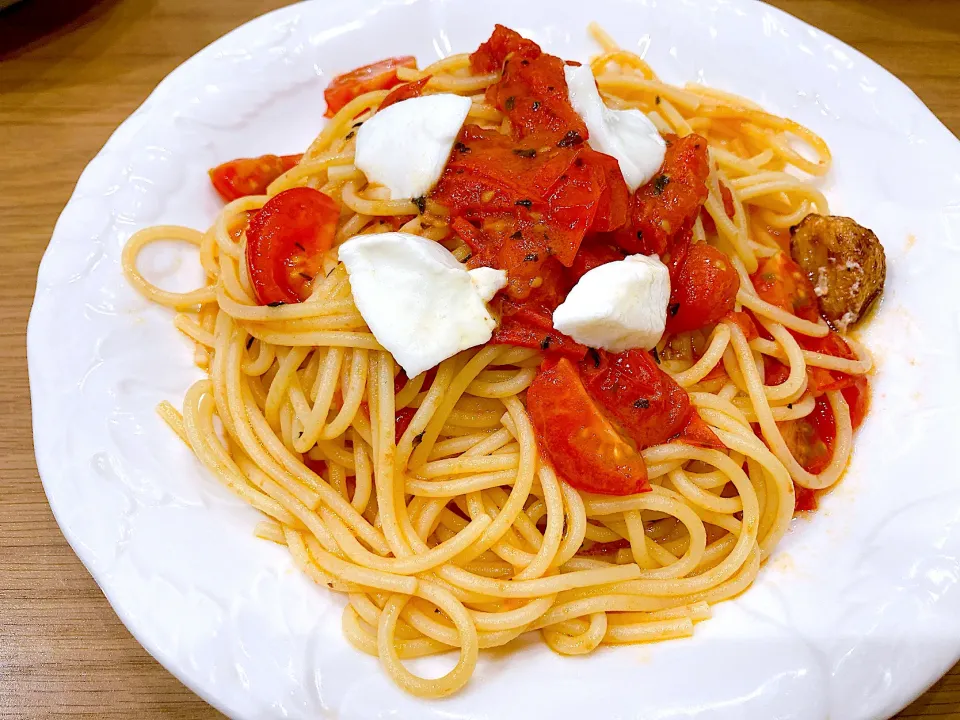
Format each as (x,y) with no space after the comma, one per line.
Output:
(375,207)
(862,365)
(788,320)
(198,429)
(458,385)
(771,433)
(341,121)
(280,464)
(174,300)
(709,360)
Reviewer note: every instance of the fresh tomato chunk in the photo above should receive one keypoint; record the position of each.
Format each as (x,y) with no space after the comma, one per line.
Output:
(406,91)
(703,291)
(634,392)
(381,75)
(583,446)
(250,176)
(667,206)
(286,241)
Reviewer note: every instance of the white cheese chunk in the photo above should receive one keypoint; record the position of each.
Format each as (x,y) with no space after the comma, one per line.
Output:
(406,146)
(627,135)
(419,302)
(618,306)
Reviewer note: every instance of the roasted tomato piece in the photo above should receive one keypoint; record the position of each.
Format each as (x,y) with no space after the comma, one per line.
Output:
(745,322)
(529,322)
(670,202)
(630,387)
(703,291)
(614,202)
(490,55)
(780,281)
(250,176)
(595,251)
(583,446)
(402,421)
(381,75)
(811,438)
(286,241)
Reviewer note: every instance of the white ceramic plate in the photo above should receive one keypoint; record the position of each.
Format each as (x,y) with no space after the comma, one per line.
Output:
(857,612)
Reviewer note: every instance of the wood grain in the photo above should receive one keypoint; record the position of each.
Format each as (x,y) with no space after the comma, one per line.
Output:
(70,72)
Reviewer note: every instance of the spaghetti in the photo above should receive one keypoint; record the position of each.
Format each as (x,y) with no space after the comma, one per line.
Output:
(456,533)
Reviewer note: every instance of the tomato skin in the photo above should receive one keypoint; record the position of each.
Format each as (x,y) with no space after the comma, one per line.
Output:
(517,204)
(811,439)
(745,322)
(381,75)
(703,291)
(697,433)
(774,371)
(727,196)
(529,323)
(637,394)
(286,241)
(780,281)
(594,252)
(614,202)
(250,176)
(584,448)
(407,91)
(857,396)
(668,205)
(805,499)
(402,421)
(490,55)
(643,401)
(532,91)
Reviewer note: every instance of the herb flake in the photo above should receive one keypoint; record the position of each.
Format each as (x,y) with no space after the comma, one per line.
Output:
(525,203)
(276,303)
(509,103)
(660,183)
(571,139)
(525,152)
(641,404)
(421,203)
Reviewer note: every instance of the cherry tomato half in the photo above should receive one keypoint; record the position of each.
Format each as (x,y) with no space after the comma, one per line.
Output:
(381,75)
(583,446)
(250,176)
(286,241)
(704,290)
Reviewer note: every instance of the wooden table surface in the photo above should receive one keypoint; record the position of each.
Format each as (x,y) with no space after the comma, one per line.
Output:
(70,72)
